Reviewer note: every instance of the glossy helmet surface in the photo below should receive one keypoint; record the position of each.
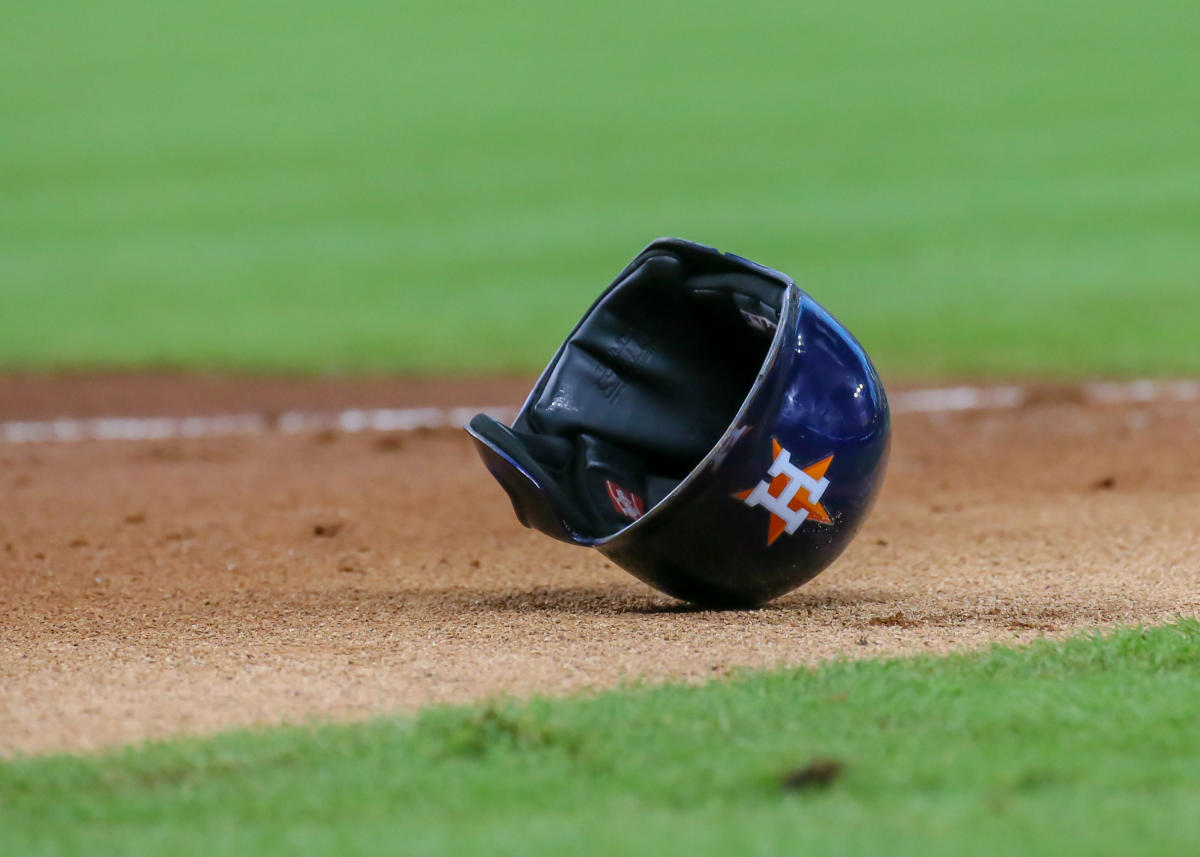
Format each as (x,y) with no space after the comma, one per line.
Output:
(707,425)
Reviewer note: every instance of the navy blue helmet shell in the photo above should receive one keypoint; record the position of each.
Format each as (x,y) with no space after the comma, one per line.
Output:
(707,426)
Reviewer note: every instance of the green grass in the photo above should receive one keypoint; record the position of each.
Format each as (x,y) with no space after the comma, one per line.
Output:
(1083,747)
(998,188)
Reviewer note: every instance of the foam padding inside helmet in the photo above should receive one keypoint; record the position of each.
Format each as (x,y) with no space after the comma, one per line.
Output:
(637,396)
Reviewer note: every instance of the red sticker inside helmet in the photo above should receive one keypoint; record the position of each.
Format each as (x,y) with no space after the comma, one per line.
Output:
(624,501)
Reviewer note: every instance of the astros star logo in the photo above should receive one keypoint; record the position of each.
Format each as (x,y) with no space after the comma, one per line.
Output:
(781,495)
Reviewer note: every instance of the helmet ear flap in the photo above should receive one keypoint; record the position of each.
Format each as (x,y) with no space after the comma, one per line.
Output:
(534,493)
(574,491)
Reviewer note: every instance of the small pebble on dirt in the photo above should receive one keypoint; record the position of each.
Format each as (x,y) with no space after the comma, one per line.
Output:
(897,619)
(1107,483)
(819,773)
(162,452)
(136,518)
(328,530)
(389,443)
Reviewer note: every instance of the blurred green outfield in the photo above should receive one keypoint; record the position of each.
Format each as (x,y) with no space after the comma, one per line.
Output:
(975,188)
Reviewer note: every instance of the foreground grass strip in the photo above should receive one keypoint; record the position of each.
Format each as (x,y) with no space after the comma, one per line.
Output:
(1088,746)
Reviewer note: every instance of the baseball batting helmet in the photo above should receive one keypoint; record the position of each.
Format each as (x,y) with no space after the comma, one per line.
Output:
(707,426)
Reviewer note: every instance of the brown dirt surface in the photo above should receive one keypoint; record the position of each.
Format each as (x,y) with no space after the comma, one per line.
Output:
(167,587)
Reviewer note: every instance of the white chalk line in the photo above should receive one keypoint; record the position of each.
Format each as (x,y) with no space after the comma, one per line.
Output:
(356,420)
(351,421)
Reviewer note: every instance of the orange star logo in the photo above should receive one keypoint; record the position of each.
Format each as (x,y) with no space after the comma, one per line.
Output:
(782,494)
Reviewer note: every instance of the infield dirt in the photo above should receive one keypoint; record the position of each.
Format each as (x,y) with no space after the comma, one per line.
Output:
(157,588)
